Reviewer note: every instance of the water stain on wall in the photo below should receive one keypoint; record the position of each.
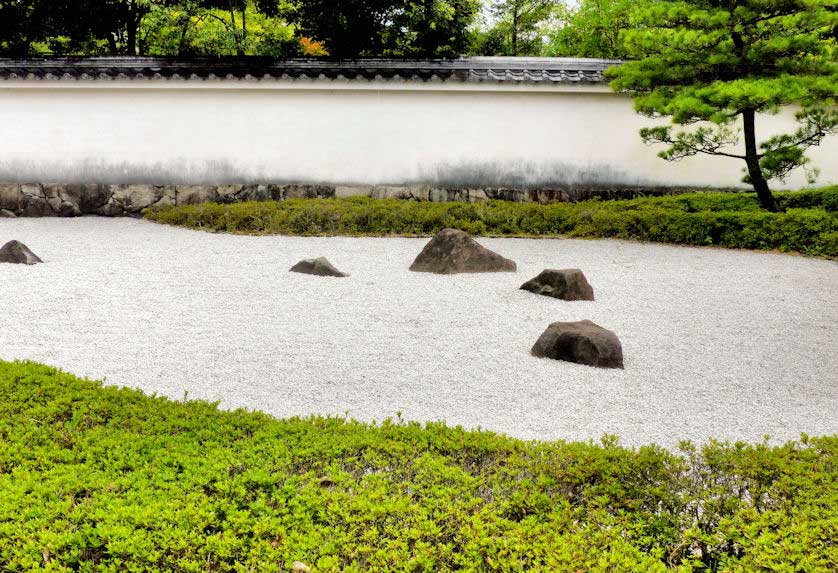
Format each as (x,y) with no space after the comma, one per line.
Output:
(174,172)
(523,174)
(514,174)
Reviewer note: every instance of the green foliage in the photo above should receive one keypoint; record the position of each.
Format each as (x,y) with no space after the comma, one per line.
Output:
(195,27)
(147,27)
(108,479)
(517,27)
(412,28)
(735,220)
(710,62)
(349,28)
(591,29)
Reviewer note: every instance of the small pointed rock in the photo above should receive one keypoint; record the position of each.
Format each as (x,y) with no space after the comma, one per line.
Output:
(18,253)
(580,342)
(320,267)
(566,284)
(452,251)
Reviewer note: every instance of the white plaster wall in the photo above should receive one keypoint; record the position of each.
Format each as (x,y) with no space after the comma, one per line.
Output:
(343,133)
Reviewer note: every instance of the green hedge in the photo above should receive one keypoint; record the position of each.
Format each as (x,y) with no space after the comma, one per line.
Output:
(808,223)
(109,479)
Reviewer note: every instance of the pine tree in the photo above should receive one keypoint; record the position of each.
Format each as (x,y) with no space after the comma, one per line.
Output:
(714,64)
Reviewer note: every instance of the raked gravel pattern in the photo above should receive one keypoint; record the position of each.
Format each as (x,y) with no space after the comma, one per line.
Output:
(718,344)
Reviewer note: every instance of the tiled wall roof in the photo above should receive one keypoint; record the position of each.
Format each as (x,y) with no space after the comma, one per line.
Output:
(511,70)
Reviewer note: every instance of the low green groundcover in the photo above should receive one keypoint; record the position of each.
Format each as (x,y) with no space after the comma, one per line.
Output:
(107,479)
(807,222)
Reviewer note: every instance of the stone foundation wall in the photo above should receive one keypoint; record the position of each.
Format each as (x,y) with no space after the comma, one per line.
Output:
(53,200)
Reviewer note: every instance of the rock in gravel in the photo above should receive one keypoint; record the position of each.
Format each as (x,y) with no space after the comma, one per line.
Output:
(580,342)
(320,267)
(18,253)
(6,214)
(452,251)
(566,284)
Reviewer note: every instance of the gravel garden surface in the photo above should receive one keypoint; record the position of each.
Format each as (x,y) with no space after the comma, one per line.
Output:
(717,343)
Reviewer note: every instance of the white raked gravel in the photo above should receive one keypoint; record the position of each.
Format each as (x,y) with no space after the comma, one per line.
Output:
(724,344)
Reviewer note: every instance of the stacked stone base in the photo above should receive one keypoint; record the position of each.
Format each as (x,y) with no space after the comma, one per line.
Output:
(54,200)
(33,200)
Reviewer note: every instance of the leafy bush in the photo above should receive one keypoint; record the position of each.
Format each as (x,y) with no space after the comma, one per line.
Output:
(806,225)
(95,478)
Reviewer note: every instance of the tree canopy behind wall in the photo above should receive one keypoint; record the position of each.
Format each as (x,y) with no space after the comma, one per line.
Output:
(413,28)
(340,28)
(591,29)
(73,26)
(147,27)
(344,28)
(518,27)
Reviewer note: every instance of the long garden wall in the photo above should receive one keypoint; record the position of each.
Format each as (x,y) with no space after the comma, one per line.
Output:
(540,125)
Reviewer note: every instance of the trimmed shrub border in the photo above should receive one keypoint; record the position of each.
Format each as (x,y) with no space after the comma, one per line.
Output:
(103,478)
(807,223)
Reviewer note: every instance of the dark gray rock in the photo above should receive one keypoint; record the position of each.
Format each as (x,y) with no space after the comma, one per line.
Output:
(132,199)
(70,193)
(228,193)
(452,251)
(566,284)
(580,342)
(195,194)
(167,196)
(275,192)
(513,195)
(52,191)
(110,209)
(10,196)
(33,206)
(54,204)
(260,193)
(33,190)
(307,192)
(92,197)
(320,267)
(69,209)
(17,253)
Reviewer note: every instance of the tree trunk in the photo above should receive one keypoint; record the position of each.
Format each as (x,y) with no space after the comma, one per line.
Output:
(766,198)
(515,33)
(131,48)
(181,49)
(131,35)
(112,45)
(428,40)
(244,28)
(239,50)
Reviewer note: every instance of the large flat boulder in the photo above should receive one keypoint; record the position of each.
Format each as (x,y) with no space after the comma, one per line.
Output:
(17,253)
(565,284)
(452,251)
(320,267)
(580,342)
